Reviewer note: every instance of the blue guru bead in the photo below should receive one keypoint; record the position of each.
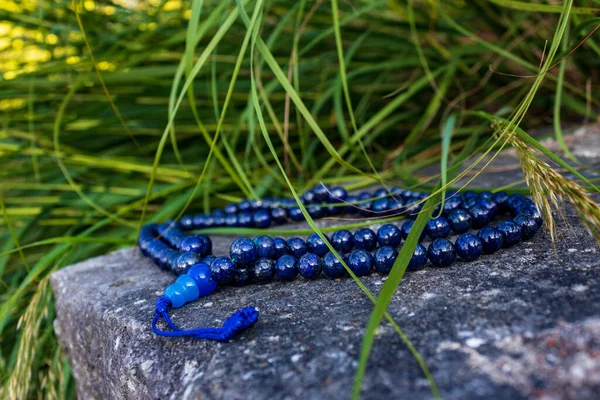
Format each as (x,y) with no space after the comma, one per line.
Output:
(297,246)
(263,270)
(201,275)
(360,262)
(265,246)
(342,240)
(491,239)
(460,220)
(437,228)
(317,245)
(309,266)
(468,247)
(242,252)
(365,238)
(183,290)
(286,267)
(418,259)
(389,235)
(528,225)
(384,258)
(441,252)
(511,232)
(281,247)
(185,261)
(222,270)
(332,267)
(262,219)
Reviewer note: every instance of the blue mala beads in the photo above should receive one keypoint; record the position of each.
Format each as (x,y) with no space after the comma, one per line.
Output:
(468,215)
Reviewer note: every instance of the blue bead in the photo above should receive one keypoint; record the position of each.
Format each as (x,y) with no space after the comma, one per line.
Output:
(342,240)
(365,238)
(209,259)
(231,208)
(460,220)
(309,197)
(265,247)
(165,259)
(351,206)
(231,220)
(174,292)
(245,219)
(218,218)
(364,206)
(396,206)
(316,212)
(256,204)
(528,225)
(382,192)
(481,216)
(437,228)
(187,222)
(279,215)
(321,193)
(380,207)
(511,233)
(406,227)
(201,274)
(241,277)
(173,257)
(500,198)
(535,214)
(243,252)
(244,205)
(297,246)
(338,194)
(207,243)
(262,219)
(316,245)
(441,252)
(389,235)
(286,268)
(295,214)
(489,205)
(218,213)
(309,266)
(418,259)
(491,239)
(360,262)
(332,267)
(185,262)
(486,195)
(468,247)
(263,270)
(384,259)
(281,247)
(193,244)
(222,270)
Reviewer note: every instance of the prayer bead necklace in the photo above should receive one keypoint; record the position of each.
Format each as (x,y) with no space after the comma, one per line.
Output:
(364,251)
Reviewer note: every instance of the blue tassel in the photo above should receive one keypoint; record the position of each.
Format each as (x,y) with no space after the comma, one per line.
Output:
(236,323)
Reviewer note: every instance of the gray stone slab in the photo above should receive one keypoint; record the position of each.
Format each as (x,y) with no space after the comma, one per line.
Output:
(523,323)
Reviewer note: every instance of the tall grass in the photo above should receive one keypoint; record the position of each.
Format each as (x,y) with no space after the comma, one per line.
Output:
(119,113)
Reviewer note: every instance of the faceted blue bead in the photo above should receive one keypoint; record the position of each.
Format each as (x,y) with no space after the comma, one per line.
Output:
(295,214)
(175,293)
(460,220)
(185,262)
(222,270)
(279,215)
(406,227)
(201,275)
(286,267)
(491,239)
(316,245)
(245,219)
(209,259)
(231,208)
(265,247)
(281,247)
(441,252)
(243,252)
(418,259)
(360,262)
(262,219)
(321,193)
(511,232)
(309,266)
(365,238)
(481,216)
(332,267)
(337,195)
(231,220)
(241,277)
(528,225)
(297,246)
(309,197)
(384,259)
(342,240)
(193,244)
(187,222)
(468,247)
(389,235)
(263,270)
(437,228)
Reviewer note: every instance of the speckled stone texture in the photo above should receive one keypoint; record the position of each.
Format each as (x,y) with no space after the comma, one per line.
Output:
(523,323)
